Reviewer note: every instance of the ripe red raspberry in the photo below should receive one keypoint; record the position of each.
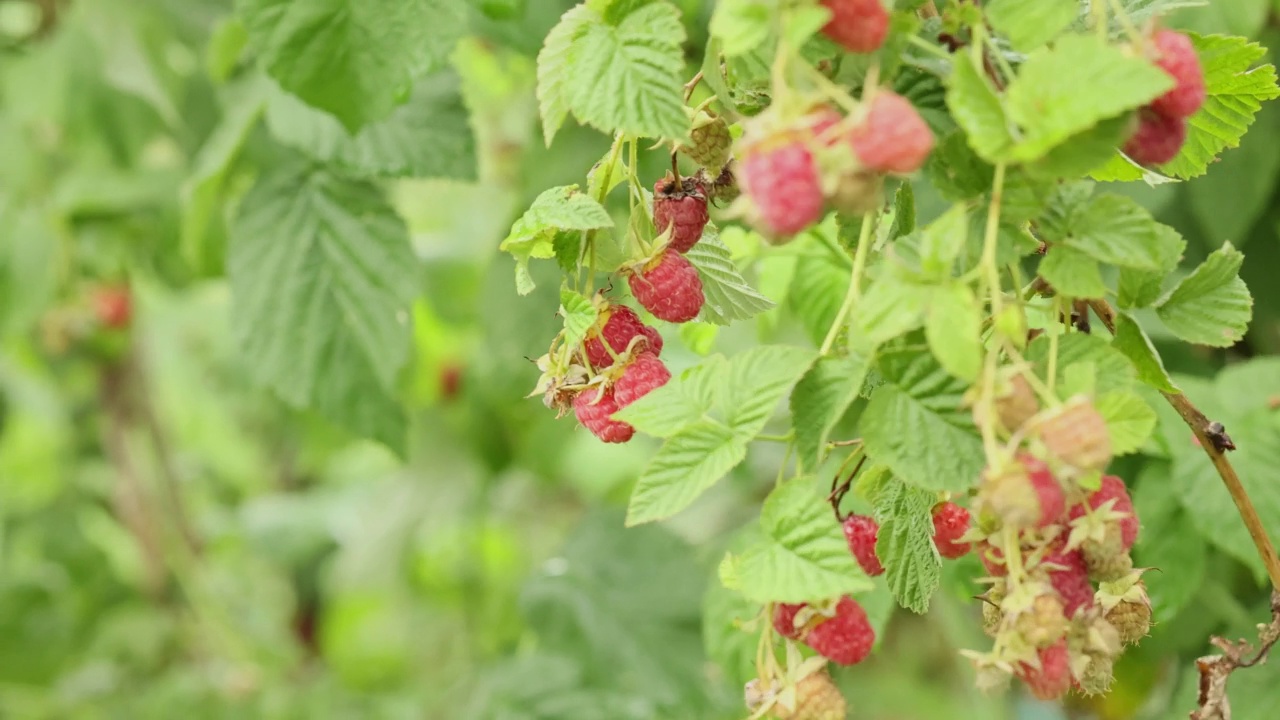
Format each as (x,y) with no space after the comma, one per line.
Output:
(780,178)
(950,521)
(861,532)
(683,208)
(1070,577)
(642,376)
(113,305)
(784,620)
(1178,58)
(1024,495)
(845,639)
(593,410)
(1113,488)
(669,287)
(893,138)
(1053,678)
(1157,139)
(858,25)
(992,559)
(621,325)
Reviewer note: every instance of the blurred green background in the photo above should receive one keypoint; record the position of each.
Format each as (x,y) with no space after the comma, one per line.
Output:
(175,542)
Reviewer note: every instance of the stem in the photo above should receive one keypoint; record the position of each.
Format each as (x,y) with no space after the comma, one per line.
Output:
(587,253)
(928,47)
(1199,424)
(692,85)
(775,438)
(855,281)
(1052,372)
(991,272)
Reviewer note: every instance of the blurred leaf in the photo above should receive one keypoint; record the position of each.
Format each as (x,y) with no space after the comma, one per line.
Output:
(821,398)
(1131,340)
(1165,544)
(1130,420)
(954,330)
(1140,288)
(1028,25)
(977,109)
(1072,273)
(1113,369)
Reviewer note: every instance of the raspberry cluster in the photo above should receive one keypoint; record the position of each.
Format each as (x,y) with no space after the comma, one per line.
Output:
(950,524)
(839,632)
(793,169)
(1162,126)
(1064,596)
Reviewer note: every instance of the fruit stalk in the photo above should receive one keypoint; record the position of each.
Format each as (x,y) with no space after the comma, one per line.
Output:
(855,279)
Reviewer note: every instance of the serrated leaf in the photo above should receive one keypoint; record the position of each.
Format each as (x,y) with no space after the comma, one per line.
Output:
(554,67)
(1031,23)
(1055,95)
(579,315)
(1140,288)
(1113,370)
(686,465)
(953,328)
(1211,306)
(942,241)
(821,398)
(818,286)
(741,25)
(804,555)
(355,59)
(627,77)
(890,307)
(905,546)
(977,109)
(1164,542)
(322,277)
(728,296)
(756,380)
(917,425)
(1072,273)
(685,399)
(428,136)
(555,210)
(1130,420)
(1234,94)
(1131,340)
(1111,229)
(957,171)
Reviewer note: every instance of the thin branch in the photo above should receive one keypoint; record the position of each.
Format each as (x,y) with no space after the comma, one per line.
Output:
(1215,442)
(1213,703)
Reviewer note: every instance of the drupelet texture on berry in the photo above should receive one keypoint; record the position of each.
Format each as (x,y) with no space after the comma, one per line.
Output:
(620,326)
(1023,494)
(1114,489)
(681,207)
(593,410)
(858,25)
(1157,139)
(779,176)
(950,522)
(817,698)
(1177,57)
(642,376)
(1070,577)
(669,287)
(845,639)
(892,138)
(710,142)
(1052,679)
(861,531)
(784,620)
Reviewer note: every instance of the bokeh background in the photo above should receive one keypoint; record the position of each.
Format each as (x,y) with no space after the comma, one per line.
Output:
(176,542)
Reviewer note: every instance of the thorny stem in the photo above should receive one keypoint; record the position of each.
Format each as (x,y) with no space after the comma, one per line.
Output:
(1200,426)
(855,281)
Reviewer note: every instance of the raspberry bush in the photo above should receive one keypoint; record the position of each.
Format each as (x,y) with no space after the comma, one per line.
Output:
(638,359)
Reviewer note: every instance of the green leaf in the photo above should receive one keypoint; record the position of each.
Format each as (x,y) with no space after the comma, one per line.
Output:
(555,65)
(942,241)
(1113,370)
(1031,23)
(817,289)
(1131,340)
(1071,272)
(953,329)
(1057,95)
(1235,92)
(1112,229)
(804,556)
(977,109)
(322,278)
(891,307)
(821,398)
(624,77)
(355,59)
(1165,543)
(686,465)
(728,296)
(905,546)
(1130,420)
(742,25)
(555,210)
(756,380)
(916,424)
(957,172)
(1211,306)
(429,136)
(579,315)
(1140,288)
(685,399)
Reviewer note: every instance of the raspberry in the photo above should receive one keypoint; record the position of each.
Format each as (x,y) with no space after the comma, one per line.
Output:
(861,532)
(1018,405)
(113,306)
(594,409)
(681,207)
(845,639)
(669,287)
(781,179)
(621,324)
(1178,58)
(1070,578)
(893,138)
(1113,489)
(992,559)
(1098,676)
(1077,435)
(1045,622)
(784,620)
(1026,495)
(710,142)
(642,376)
(1053,677)
(721,188)
(817,698)
(858,25)
(1132,619)
(1157,139)
(1104,564)
(950,521)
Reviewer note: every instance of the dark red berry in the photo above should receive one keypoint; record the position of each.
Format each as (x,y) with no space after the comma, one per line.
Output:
(845,639)
(669,287)
(1157,139)
(950,522)
(620,325)
(779,176)
(113,305)
(1052,679)
(858,25)
(594,409)
(1069,575)
(784,620)
(642,376)
(1113,489)
(892,138)
(1177,57)
(682,208)
(861,532)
